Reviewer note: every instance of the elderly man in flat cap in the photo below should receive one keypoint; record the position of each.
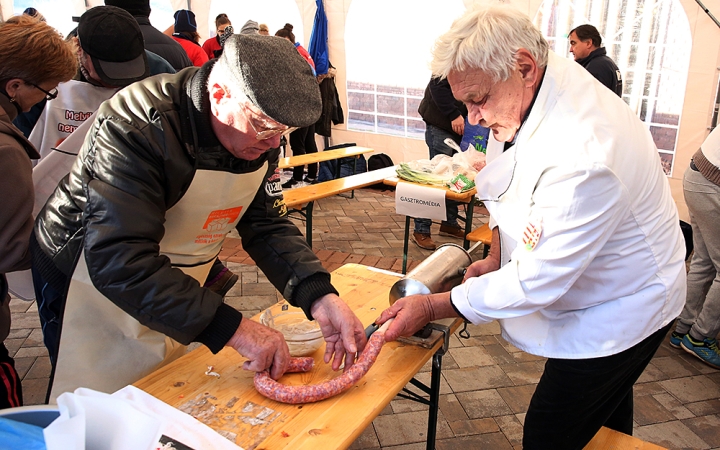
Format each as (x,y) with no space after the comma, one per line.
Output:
(586,266)
(169,167)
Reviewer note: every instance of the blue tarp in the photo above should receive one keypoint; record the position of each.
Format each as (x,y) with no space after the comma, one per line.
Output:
(318,48)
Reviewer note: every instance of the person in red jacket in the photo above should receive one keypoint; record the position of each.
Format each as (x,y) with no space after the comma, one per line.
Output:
(213,46)
(186,35)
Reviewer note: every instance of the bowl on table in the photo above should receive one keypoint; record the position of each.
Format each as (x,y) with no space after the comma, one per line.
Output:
(303,336)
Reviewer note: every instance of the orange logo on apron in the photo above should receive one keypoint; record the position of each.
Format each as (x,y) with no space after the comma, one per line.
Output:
(216,224)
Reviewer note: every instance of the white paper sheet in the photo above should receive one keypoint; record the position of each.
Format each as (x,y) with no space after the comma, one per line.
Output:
(129,419)
(419,201)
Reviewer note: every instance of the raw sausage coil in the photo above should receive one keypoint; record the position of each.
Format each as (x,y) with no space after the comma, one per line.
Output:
(316,392)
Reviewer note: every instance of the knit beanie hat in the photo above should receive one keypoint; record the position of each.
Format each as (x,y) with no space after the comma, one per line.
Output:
(185,21)
(275,78)
(250,27)
(134,7)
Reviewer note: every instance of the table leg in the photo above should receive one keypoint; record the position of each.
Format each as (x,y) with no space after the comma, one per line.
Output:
(434,399)
(468,222)
(405,244)
(434,389)
(308,223)
(352,193)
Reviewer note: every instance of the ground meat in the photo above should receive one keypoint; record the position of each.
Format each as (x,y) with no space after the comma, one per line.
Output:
(304,364)
(313,393)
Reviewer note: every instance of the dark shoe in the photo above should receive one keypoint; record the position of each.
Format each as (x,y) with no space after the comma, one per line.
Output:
(223,282)
(289,183)
(451,231)
(309,180)
(423,241)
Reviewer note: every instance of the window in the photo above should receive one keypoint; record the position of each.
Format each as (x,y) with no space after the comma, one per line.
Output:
(650,42)
(388,47)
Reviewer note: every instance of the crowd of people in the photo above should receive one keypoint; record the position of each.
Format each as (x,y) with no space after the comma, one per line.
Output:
(172,144)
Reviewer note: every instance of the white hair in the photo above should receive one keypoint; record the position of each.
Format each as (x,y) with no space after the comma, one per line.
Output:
(487,38)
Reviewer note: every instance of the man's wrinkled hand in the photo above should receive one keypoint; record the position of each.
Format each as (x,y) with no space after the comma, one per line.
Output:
(343,331)
(413,312)
(264,348)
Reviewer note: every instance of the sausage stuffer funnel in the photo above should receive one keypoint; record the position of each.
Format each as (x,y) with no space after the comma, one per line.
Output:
(439,272)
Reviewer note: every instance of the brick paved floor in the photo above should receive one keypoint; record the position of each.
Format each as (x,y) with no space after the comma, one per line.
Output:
(486,383)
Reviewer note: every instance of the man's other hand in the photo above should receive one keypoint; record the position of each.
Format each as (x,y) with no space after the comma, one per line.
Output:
(343,331)
(264,348)
(458,125)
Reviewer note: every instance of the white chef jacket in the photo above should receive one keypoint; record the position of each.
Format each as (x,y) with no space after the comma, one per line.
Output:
(608,268)
(711,147)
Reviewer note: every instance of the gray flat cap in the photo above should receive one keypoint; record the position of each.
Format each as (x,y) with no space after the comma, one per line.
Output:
(275,77)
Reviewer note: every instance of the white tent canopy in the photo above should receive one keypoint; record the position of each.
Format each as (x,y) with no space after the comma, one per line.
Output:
(381,50)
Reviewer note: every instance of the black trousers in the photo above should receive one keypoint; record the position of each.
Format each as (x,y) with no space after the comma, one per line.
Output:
(302,141)
(576,397)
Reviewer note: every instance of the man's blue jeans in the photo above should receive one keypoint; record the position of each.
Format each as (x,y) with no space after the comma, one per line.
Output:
(435,137)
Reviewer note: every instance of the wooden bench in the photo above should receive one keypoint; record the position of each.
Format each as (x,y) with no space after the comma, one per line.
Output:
(481,234)
(610,439)
(325,155)
(306,195)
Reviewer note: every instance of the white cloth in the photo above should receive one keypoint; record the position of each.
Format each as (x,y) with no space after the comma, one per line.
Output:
(711,147)
(75,103)
(608,269)
(129,419)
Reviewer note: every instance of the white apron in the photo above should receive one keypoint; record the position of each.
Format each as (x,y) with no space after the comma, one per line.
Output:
(102,347)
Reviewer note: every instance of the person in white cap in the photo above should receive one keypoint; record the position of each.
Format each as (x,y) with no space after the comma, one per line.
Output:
(169,167)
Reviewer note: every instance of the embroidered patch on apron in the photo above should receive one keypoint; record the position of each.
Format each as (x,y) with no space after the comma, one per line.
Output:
(532,233)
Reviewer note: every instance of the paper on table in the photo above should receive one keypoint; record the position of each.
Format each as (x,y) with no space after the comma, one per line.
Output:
(129,419)
(419,201)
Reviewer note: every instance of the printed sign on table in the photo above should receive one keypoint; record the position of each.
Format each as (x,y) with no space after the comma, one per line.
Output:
(420,202)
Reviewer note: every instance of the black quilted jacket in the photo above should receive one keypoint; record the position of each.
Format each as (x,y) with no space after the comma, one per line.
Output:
(137,161)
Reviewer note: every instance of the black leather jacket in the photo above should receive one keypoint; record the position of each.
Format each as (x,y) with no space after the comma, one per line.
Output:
(137,161)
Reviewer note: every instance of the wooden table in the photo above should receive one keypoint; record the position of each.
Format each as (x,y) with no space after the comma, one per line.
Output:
(610,439)
(231,405)
(467,197)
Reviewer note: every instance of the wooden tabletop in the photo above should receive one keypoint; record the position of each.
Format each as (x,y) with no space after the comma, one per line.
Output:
(325,155)
(610,439)
(231,405)
(298,196)
(463,197)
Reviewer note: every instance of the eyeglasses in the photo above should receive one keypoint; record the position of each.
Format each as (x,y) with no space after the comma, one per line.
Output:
(265,128)
(49,95)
